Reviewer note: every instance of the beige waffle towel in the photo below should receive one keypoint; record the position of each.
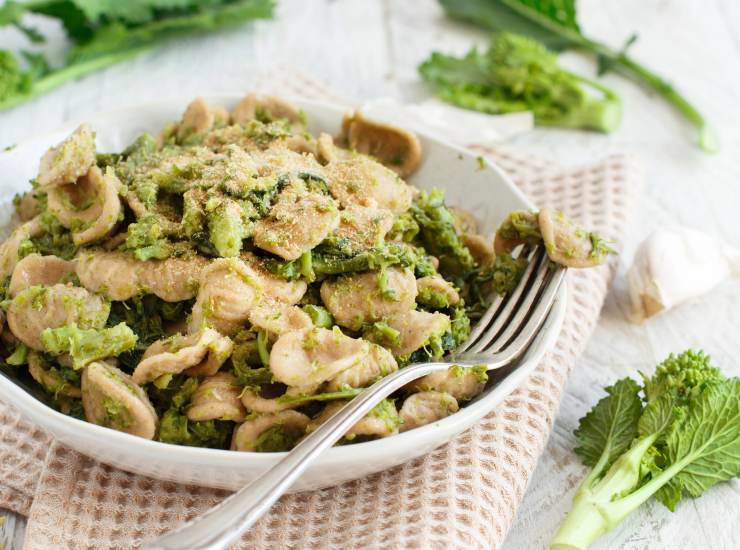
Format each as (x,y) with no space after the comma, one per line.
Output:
(462,495)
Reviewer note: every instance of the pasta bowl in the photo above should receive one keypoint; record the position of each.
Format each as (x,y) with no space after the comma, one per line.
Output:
(468,181)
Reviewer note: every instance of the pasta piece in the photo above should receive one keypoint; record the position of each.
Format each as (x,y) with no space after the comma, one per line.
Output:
(9,249)
(199,118)
(416,329)
(199,354)
(229,289)
(566,243)
(280,162)
(299,220)
(111,398)
(38,308)
(396,148)
(362,298)
(69,160)
(361,228)
(266,108)
(378,362)
(437,292)
(327,152)
(426,407)
(274,287)
(90,207)
(50,379)
(382,421)
(34,270)
(461,383)
(312,356)
(465,222)
(217,398)
(276,319)
(246,436)
(480,248)
(362,181)
(520,227)
(28,207)
(119,276)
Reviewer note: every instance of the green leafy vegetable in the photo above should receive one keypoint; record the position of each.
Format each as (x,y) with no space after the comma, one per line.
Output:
(554,25)
(104,33)
(88,345)
(681,438)
(439,235)
(517,73)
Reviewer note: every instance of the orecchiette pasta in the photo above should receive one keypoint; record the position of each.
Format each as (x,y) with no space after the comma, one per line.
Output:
(235,280)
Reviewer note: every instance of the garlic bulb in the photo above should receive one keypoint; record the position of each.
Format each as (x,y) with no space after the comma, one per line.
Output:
(675,264)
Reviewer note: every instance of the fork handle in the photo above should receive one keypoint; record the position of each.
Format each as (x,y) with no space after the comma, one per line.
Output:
(223,524)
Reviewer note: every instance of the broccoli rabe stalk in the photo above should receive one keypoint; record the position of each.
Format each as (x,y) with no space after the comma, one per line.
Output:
(680,438)
(88,345)
(517,73)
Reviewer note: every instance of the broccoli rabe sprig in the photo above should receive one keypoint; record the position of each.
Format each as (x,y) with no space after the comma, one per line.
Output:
(517,73)
(104,33)
(679,438)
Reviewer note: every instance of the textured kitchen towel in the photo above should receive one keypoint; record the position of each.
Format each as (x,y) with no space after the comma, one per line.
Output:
(463,495)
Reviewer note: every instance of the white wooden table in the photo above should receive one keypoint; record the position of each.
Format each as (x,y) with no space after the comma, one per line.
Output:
(367,49)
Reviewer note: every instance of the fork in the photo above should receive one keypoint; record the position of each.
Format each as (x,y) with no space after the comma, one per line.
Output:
(502,335)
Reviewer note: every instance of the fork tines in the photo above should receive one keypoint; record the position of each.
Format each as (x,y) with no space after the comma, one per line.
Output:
(511,322)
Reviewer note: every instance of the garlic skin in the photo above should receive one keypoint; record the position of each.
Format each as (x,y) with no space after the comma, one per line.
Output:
(675,264)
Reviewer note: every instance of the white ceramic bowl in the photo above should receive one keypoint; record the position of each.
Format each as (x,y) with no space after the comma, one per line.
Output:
(481,188)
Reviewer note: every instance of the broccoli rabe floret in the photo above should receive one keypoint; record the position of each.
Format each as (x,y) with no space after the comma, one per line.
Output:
(276,439)
(88,345)
(439,235)
(147,241)
(226,227)
(506,273)
(176,428)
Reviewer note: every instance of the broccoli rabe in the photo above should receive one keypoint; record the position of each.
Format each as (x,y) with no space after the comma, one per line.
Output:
(175,427)
(517,73)
(506,273)
(439,236)
(680,437)
(88,345)
(104,33)
(226,227)
(147,241)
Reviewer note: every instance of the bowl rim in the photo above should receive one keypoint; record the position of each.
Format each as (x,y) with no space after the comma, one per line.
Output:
(336,454)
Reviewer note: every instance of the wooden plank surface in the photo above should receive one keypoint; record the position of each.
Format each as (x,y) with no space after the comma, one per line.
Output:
(365,49)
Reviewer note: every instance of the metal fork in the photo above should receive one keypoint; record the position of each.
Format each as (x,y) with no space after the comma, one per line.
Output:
(501,336)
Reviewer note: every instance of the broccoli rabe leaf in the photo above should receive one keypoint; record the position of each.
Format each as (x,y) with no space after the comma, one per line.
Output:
(176,428)
(88,345)
(609,428)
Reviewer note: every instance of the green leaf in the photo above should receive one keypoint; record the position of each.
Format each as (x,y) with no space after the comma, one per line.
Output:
(708,441)
(609,428)
(552,22)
